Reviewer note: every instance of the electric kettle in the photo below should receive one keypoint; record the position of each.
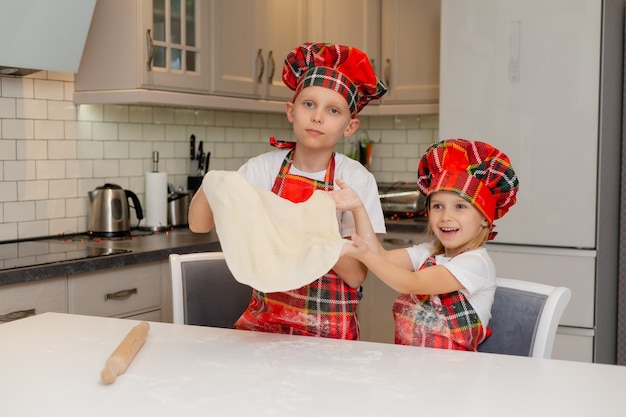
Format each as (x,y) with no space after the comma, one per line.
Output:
(109,211)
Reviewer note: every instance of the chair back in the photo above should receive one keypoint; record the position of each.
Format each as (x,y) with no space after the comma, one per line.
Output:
(524,318)
(205,292)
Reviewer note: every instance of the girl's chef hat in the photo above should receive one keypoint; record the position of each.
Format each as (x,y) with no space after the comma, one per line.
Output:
(477,171)
(343,69)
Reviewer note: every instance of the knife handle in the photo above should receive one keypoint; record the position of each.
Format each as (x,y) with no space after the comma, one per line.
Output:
(121,357)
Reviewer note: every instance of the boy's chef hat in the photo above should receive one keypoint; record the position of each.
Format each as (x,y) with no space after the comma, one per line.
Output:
(343,69)
(477,171)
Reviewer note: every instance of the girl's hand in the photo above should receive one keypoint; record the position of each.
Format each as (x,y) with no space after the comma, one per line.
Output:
(354,247)
(345,197)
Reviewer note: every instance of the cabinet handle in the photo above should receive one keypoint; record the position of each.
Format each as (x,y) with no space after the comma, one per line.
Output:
(150,45)
(387,73)
(260,63)
(399,242)
(121,295)
(272,67)
(16,315)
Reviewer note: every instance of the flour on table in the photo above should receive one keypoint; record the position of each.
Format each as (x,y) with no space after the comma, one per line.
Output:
(271,243)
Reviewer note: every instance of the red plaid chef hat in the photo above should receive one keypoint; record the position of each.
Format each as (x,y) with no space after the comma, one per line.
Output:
(343,69)
(477,171)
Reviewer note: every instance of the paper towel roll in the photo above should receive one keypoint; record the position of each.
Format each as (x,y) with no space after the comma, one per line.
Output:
(156,199)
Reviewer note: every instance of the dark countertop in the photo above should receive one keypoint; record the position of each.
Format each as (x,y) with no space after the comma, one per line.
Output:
(144,248)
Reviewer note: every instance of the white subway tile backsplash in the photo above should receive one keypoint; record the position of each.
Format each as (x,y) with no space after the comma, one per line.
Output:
(104,131)
(105,168)
(89,149)
(152,133)
(52,153)
(50,169)
(17,87)
(78,168)
(8,191)
(49,129)
(19,211)
(116,113)
(61,110)
(7,108)
(18,129)
(31,109)
(140,114)
(48,90)
(115,150)
(8,149)
(33,229)
(32,149)
(64,188)
(49,209)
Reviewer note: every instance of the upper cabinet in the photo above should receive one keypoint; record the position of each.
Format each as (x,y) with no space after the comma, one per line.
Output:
(152,44)
(410,50)
(250,40)
(230,54)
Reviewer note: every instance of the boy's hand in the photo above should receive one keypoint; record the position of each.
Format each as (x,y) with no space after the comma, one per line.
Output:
(345,198)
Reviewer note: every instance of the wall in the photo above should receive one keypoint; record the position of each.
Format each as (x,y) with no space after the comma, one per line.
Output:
(53,152)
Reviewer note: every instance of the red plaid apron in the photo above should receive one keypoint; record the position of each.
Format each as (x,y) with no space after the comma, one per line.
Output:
(445,321)
(327,306)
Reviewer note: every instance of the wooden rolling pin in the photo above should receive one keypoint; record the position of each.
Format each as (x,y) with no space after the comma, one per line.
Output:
(125,353)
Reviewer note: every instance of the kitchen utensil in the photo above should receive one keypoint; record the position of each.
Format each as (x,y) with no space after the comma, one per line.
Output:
(192,147)
(206,162)
(109,211)
(178,208)
(121,357)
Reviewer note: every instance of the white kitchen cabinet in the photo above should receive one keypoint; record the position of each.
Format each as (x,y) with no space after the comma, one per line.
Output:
(410,50)
(347,22)
(118,292)
(250,39)
(145,44)
(375,308)
(23,300)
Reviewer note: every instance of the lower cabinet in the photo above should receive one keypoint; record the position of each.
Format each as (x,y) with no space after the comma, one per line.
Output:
(30,298)
(132,291)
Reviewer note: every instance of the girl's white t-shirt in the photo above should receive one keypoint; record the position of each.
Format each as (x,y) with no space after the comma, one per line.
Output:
(473,269)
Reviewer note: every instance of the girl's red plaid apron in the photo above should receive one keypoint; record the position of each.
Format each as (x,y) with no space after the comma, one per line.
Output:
(446,321)
(327,306)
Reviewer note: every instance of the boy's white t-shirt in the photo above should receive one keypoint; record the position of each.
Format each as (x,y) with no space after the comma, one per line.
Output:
(474,269)
(261,171)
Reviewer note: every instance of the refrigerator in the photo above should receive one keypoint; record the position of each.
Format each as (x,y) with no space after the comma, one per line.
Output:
(542,81)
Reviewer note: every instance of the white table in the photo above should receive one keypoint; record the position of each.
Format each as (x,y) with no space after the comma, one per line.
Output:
(50,366)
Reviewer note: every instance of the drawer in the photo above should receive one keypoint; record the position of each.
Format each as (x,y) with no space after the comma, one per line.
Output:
(43,296)
(574,269)
(118,292)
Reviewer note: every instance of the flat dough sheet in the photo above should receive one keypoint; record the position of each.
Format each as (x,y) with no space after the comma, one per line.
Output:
(270,243)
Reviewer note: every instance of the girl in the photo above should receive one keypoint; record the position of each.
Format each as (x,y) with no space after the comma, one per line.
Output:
(447,284)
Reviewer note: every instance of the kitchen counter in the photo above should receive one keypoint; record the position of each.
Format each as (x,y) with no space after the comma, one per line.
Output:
(141,249)
(51,365)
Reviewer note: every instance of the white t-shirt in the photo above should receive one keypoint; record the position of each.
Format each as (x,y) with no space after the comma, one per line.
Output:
(261,171)
(473,269)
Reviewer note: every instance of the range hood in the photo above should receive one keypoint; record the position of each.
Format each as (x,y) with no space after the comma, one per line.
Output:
(37,35)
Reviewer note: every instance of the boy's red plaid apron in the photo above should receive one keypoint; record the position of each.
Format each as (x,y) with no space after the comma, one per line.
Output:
(446,321)
(327,306)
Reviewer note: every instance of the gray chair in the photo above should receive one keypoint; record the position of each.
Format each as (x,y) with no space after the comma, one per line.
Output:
(524,318)
(204,292)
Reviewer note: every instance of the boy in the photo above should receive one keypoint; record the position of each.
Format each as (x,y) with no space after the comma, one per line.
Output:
(332,83)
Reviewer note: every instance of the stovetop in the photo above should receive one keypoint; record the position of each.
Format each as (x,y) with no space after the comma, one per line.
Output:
(62,248)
